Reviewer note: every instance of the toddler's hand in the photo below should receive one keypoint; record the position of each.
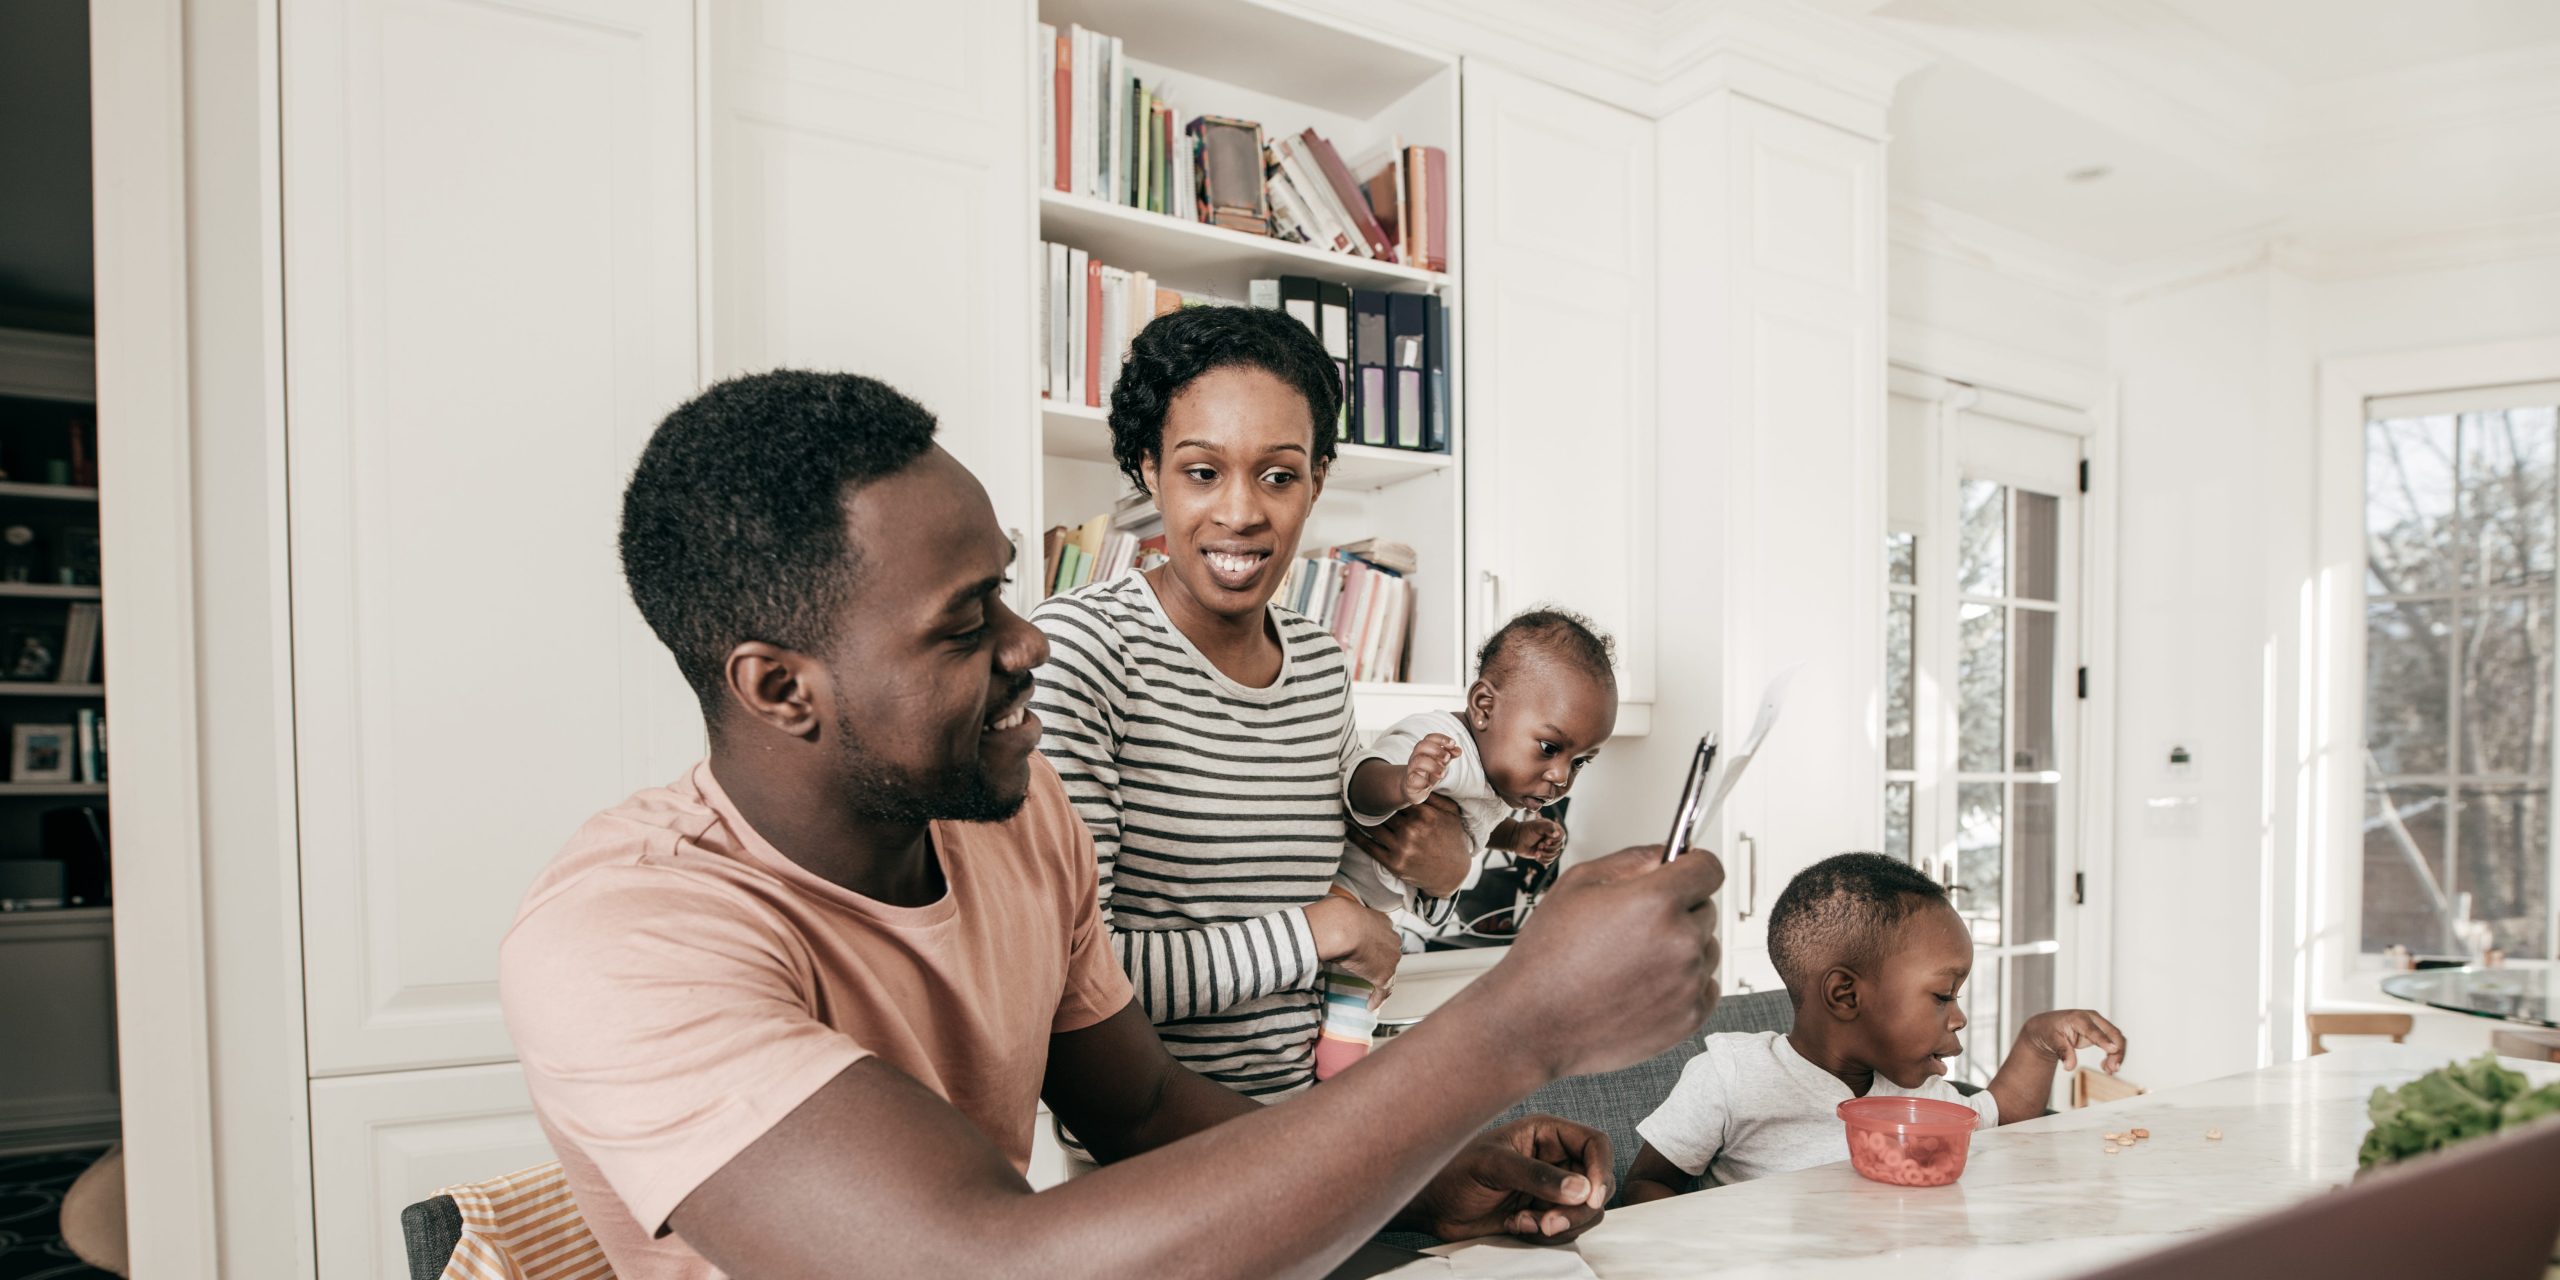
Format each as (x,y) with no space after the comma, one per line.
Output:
(1431,760)
(1539,839)
(2059,1035)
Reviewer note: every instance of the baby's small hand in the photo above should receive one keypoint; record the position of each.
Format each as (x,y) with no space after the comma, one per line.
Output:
(1431,760)
(1539,839)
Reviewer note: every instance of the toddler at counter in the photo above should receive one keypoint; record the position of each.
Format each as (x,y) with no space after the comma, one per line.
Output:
(1544,699)
(1874,956)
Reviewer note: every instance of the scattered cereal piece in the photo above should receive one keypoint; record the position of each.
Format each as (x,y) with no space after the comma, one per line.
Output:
(2113,1148)
(2142,1133)
(2213,1135)
(2114,1136)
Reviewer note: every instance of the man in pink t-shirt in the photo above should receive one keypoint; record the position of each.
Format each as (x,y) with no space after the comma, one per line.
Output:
(791,1013)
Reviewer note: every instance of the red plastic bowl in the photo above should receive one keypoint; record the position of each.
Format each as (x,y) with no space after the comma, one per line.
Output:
(1908,1142)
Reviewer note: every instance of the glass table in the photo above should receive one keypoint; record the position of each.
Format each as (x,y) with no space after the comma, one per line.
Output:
(2528,994)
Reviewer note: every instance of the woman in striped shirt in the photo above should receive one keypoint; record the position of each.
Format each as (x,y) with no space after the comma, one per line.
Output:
(1202,732)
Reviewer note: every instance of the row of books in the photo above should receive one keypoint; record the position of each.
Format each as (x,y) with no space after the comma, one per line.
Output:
(1128,538)
(89,763)
(80,646)
(1108,135)
(1105,134)
(1089,313)
(1391,351)
(1360,594)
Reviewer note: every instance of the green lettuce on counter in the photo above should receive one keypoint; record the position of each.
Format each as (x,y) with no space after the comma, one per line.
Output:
(2449,1104)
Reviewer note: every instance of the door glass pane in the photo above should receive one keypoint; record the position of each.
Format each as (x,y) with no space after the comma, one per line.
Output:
(1980,850)
(1981,687)
(1902,558)
(1898,679)
(2034,859)
(1982,547)
(2030,987)
(1986,1033)
(2038,547)
(2507,495)
(2031,682)
(2398,907)
(2409,504)
(2408,674)
(1897,820)
(2506,686)
(2505,869)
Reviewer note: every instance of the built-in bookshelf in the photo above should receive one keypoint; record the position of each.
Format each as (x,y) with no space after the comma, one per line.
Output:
(1368,97)
(53,688)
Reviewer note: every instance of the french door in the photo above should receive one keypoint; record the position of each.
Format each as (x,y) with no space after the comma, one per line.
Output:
(1983,560)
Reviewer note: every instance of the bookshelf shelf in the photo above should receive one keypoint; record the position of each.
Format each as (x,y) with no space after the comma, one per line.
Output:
(1084,435)
(34,790)
(45,591)
(1198,254)
(47,492)
(47,690)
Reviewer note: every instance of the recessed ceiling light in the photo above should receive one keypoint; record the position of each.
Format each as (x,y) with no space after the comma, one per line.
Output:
(2088,173)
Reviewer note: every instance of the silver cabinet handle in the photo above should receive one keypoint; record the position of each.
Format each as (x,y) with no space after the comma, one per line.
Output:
(1492,603)
(1750,849)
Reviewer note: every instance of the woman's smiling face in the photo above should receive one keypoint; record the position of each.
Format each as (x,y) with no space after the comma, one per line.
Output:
(1235,477)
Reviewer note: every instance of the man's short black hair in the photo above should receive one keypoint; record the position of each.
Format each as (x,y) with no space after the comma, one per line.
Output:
(1176,348)
(1552,635)
(733,526)
(1841,912)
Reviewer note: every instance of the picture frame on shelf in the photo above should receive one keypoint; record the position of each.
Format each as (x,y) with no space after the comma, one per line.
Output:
(41,752)
(1231,187)
(31,653)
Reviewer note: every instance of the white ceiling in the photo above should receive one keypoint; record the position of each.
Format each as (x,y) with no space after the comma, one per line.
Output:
(2310,41)
(2329,126)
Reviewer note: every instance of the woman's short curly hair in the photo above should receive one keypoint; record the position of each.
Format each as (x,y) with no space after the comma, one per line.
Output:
(1177,347)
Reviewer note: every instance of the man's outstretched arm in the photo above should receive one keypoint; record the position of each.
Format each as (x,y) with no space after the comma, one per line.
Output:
(875,1174)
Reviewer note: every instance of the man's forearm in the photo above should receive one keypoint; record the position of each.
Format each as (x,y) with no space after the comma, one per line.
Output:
(1185,1103)
(1315,1161)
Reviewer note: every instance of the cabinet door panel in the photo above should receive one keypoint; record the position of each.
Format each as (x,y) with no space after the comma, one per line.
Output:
(383,1142)
(871,210)
(1560,396)
(490,301)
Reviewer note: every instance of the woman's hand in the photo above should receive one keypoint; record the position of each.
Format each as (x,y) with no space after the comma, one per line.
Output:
(1425,846)
(1357,940)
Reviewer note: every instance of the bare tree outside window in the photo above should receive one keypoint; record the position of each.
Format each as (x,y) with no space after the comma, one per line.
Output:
(2460,527)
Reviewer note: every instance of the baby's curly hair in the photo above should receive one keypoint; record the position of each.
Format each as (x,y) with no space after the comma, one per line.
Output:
(1177,347)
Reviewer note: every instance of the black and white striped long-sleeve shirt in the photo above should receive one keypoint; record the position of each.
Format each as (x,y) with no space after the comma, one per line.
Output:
(1216,812)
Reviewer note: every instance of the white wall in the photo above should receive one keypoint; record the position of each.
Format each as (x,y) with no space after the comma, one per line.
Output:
(1976,307)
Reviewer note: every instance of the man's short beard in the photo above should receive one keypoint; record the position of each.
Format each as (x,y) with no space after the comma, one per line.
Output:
(882,793)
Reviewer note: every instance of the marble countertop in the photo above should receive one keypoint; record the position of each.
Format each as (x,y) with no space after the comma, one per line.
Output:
(2040,1198)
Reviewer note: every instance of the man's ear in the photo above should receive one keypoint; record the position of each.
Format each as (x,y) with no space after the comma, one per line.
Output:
(778,688)
(1480,699)
(1838,993)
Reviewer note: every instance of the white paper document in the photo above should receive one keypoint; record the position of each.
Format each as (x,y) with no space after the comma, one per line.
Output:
(1727,770)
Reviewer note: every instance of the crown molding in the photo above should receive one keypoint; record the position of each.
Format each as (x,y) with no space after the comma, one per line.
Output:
(2484,244)
(1834,69)
(1953,233)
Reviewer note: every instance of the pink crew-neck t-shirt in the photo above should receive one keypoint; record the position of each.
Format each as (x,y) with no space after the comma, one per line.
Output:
(675,986)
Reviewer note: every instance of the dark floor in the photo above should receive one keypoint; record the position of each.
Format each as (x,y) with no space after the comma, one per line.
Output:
(31,1190)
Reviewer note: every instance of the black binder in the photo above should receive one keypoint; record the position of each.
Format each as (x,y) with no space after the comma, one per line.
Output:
(1406,323)
(1372,401)
(1435,363)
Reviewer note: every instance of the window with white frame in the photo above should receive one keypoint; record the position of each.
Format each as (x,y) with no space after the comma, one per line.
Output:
(2460,514)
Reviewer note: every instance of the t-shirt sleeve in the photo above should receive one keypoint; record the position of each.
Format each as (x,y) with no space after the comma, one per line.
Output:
(1689,1127)
(662,1029)
(1983,1104)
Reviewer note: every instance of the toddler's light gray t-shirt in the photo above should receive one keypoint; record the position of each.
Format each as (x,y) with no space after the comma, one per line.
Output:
(1751,1106)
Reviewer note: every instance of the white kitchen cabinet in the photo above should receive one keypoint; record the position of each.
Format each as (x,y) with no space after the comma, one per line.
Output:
(489,287)
(1559,203)
(1772,457)
(385,1141)
(870,183)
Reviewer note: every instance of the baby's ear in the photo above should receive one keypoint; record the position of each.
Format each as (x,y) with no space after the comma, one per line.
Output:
(1838,994)
(1480,699)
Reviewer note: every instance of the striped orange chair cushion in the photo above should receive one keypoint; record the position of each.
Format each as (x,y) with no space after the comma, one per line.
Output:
(523,1226)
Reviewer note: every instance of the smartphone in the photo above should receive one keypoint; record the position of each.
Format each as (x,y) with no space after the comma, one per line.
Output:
(1692,797)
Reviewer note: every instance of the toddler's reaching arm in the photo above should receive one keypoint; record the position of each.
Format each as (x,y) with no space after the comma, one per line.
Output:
(2024,1083)
(1382,788)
